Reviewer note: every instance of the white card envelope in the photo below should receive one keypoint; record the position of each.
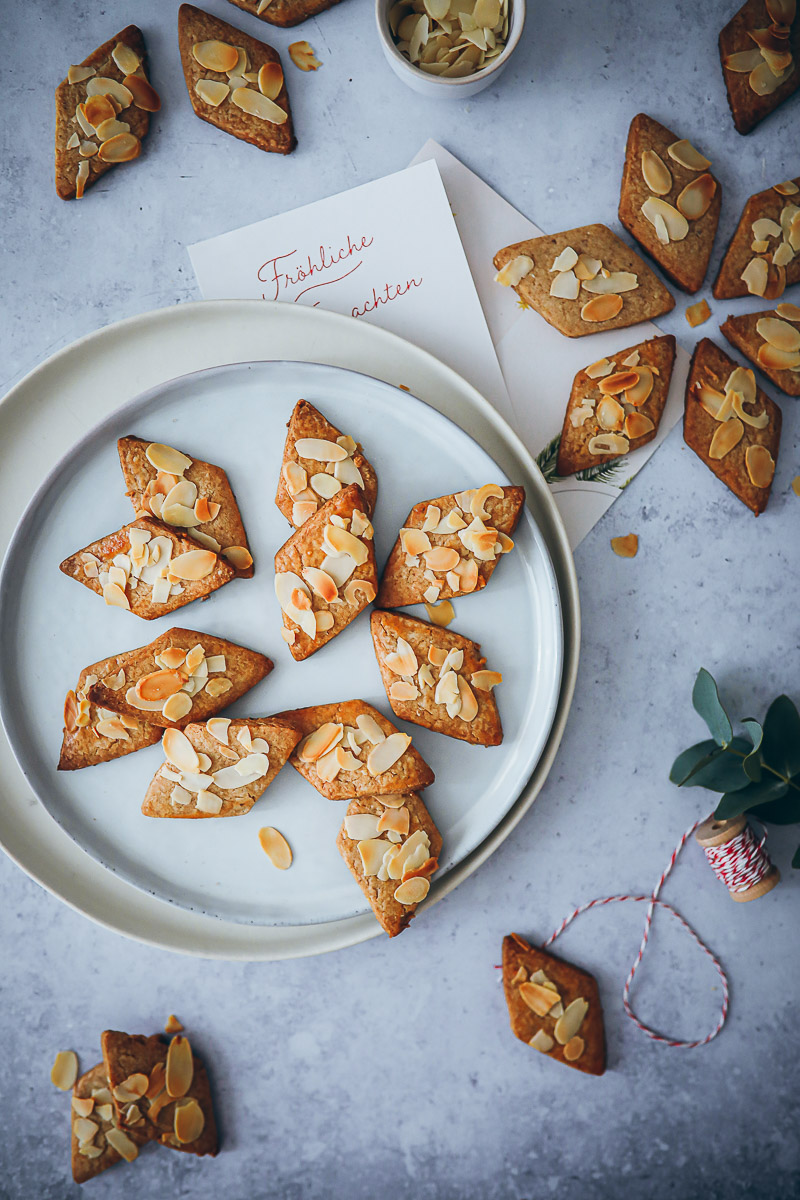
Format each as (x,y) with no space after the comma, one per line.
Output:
(539,363)
(387,252)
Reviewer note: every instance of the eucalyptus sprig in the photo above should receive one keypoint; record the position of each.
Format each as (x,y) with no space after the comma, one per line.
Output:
(758,771)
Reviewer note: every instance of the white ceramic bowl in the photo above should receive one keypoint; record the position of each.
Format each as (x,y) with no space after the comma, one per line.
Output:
(434,86)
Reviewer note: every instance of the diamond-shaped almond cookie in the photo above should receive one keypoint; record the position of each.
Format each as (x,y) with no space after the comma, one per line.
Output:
(616,405)
(102,112)
(436,678)
(148,568)
(94,734)
(318,461)
(732,425)
(669,201)
(93,1150)
(771,340)
(325,573)
(392,848)
(160,1090)
(583,280)
(763,257)
(187,493)
(284,12)
(218,769)
(554,1006)
(235,82)
(758,82)
(451,545)
(350,749)
(182,676)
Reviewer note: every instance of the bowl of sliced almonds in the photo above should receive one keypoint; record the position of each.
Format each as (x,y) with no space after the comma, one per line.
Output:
(449,48)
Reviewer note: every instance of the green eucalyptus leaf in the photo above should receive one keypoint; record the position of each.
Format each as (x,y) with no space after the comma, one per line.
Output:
(796,859)
(780,747)
(752,764)
(690,760)
(707,703)
(733,804)
(722,770)
(779,812)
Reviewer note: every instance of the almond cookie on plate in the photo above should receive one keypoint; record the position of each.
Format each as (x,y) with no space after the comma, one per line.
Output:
(583,280)
(325,574)
(190,494)
(235,82)
(284,12)
(392,848)
(450,546)
(160,1091)
(182,676)
(554,1006)
(96,1140)
(351,750)
(318,461)
(102,112)
(759,50)
(669,201)
(436,678)
(763,257)
(771,340)
(616,405)
(148,568)
(218,769)
(731,424)
(94,734)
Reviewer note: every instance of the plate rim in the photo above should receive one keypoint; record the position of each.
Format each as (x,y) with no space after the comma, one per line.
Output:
(104,429)
(346,340)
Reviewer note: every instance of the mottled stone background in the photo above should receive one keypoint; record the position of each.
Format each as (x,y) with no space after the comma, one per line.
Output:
(389,1070)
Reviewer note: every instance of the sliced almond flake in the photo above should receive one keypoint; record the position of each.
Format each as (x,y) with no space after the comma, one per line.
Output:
(656,173)
(413,891)
(215,55)
(64,1071)
(565,286)
(367,725)
(80,74)
(258,105)
(608,443)
(674,221)
(683,152)
(542,1041)
(565,261)
(383,756)
(123,1145)
(126,59)
(515,270)
(212,91)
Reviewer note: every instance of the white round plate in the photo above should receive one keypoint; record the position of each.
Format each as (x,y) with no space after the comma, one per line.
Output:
(51,628)
(225,898)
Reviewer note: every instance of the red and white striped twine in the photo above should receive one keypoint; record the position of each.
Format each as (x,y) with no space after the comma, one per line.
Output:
(742,862)
(739,864)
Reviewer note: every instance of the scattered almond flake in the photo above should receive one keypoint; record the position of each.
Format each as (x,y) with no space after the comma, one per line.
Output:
(84,1130)
(383,756)
(760,465)
(303,56)
(64,1071)
(180,1067)
(275,847)
(361,826)
(74,142)
(367,724)
(602,367)
(727,435)
(627,546)
(674,221)
(412,891)
(514,271)
(441,614)
(568,1025)
(697,313)
(208,802)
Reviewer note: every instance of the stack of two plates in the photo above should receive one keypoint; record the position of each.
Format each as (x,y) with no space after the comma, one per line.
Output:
(202,384)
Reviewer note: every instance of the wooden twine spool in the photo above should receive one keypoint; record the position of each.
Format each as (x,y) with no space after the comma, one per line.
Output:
(737,859)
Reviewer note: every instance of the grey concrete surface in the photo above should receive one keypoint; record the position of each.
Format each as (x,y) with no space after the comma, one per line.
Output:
(389,1070)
